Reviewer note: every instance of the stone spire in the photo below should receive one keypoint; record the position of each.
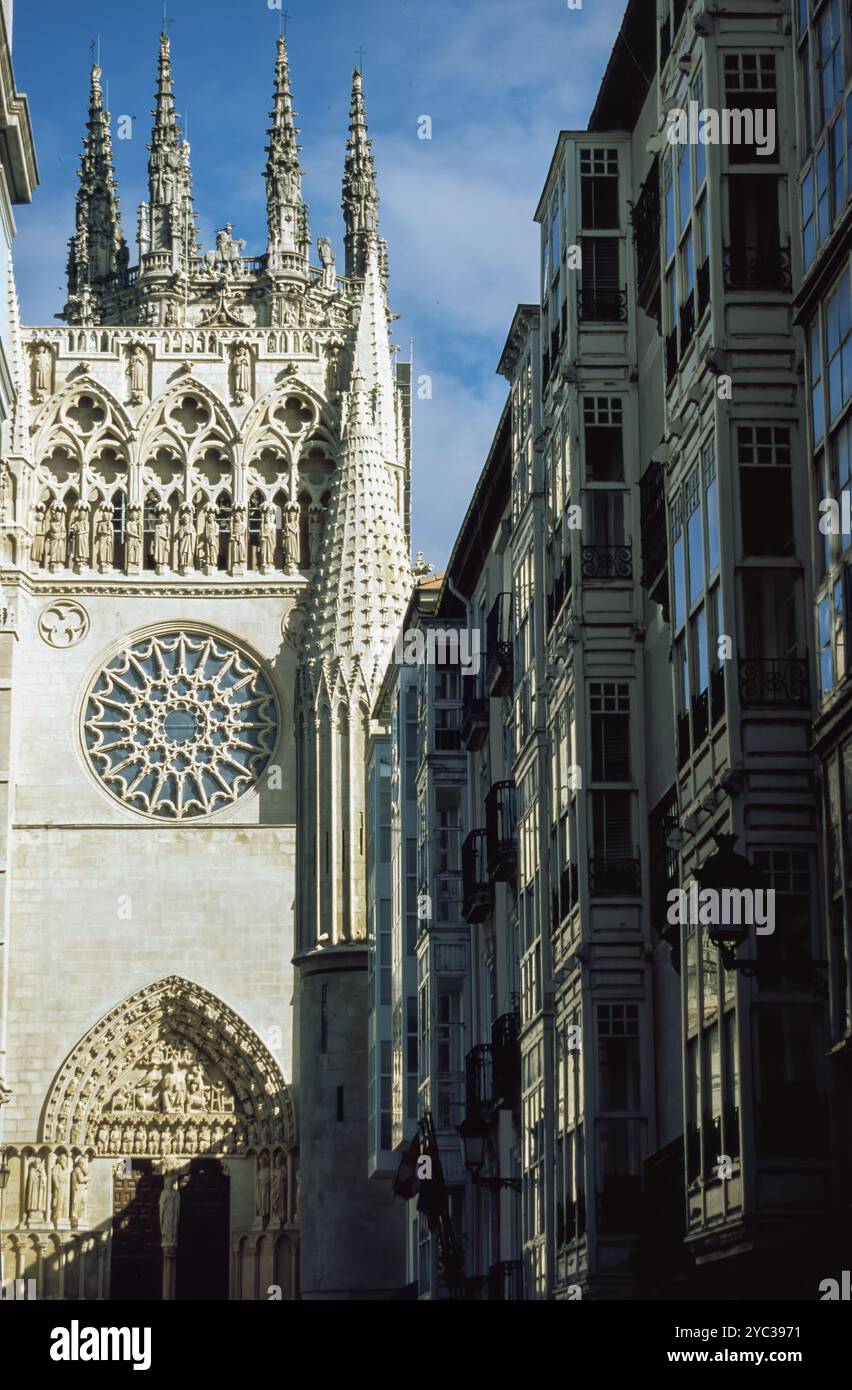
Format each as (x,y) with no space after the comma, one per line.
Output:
(170,216)
(373,353)
(287,215)
(360,193)
(364,577)
(98,249)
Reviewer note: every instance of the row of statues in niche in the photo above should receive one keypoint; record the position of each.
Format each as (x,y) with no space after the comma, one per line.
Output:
(62,1192)
(205,538)
(271,1190)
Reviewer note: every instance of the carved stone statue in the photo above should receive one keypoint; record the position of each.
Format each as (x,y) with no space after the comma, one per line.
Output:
(268,536)
(59,1179)
(169,1212)
(326,255)
(42,364)
(292,537)
(55,542)
(242,373)
(316,517)
(211,537)
(104,537)
(160,540)
(36,1193)
(134,536)
(78,536)
(195,1093)
(174,1086)
(185,540)
(278,1201)
(238,537)
(262,1188)
(37,549)
(79,1189)
(138,371)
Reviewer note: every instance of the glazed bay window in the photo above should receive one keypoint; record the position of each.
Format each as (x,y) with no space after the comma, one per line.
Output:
(604,438)
(697,604)
(750,85)
(711,1074)
(686,244)
(524,649)
(766,489)
(607,553)
(830,379)
(533,1160)
(774,670)
(755,258)
(609,711)
(826,124)
(614,865)
(529,892)
(603,297)
(570,1149)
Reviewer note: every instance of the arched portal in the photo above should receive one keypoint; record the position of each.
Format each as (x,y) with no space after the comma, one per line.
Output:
(178,1102)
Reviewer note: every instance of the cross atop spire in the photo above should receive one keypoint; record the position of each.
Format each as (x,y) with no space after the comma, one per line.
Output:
(287,215)
(97,249)
(360,192)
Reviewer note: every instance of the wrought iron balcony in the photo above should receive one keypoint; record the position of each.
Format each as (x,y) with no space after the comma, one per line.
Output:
(479,1083)
(607,562)
(770,681)
(596,304)
(757,268)
(614,876)
(501,825)
(474,728)
(506,1060)
(499,670)
(506,1282)
(645,219)
(478,896)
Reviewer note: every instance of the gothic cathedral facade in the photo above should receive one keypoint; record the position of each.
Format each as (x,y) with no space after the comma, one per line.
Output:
(205,555)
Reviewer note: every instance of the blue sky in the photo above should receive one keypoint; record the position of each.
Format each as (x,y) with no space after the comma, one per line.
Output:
(499,79)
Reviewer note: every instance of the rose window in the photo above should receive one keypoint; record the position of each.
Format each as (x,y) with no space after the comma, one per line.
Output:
(180,724)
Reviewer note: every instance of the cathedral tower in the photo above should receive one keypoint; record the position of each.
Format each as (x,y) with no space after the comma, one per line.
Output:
(204,547)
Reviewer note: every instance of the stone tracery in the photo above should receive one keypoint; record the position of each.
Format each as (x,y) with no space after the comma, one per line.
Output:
(173,1062)
(180,724)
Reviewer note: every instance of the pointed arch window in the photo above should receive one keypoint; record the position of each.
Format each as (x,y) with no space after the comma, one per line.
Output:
(119,527)
(255,518)
(152,503)
(224,508)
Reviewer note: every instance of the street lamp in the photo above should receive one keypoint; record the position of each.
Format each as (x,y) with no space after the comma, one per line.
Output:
(474,1136)
(728,870)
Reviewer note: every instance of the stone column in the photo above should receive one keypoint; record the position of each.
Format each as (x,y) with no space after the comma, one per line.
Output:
(169,1272)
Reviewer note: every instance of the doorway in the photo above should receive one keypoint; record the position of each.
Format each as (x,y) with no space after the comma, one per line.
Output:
(202,1253)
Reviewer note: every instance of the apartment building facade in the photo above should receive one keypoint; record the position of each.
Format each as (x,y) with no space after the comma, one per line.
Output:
(663,705)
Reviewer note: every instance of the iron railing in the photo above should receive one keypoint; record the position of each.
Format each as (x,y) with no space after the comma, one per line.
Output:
(757,268)
(614,876)
(601,305)
(478,895)
(501,825)
(607,562)
(774,681)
